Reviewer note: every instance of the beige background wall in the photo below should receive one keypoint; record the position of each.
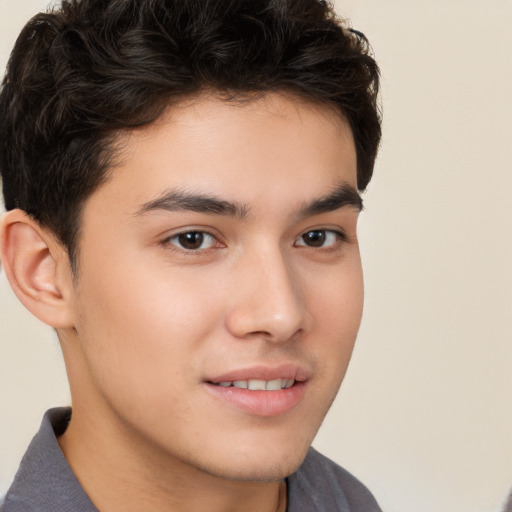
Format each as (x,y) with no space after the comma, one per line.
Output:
(425,415)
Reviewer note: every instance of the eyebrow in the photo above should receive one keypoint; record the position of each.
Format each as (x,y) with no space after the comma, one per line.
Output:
(179,200)
(343,195)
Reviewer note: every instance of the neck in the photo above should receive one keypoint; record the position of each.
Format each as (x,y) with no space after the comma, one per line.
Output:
(119,473)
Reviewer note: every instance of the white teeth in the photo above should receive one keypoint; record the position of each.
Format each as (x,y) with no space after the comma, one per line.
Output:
(273,385)
(259,385)
(256,385)
(289,383)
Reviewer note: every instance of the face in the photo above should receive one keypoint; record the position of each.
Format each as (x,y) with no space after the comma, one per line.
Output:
(220,288)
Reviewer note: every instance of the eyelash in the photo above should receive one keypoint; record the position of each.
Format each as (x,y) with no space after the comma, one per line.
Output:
(337,236)
(203,234)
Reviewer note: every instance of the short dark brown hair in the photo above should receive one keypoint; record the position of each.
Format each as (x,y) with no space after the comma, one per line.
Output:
(81,72)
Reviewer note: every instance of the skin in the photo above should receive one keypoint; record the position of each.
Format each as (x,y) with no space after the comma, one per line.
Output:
(148,321)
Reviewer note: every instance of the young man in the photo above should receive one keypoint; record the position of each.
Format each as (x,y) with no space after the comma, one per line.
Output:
(181,180)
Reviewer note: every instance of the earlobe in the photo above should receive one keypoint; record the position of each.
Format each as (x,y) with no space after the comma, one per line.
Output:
(37,268)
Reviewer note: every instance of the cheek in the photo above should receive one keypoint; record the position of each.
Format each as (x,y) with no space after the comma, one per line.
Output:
(144,329)
(336,307)
(133,298)
(336,299)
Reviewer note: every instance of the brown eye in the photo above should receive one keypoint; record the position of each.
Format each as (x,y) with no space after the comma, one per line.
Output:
(320,238)
(193,240)
(314,238)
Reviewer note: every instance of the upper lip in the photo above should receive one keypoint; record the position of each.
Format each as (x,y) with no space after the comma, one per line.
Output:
(263,372)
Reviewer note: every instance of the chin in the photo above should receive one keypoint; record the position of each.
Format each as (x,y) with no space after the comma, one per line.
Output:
(262,465)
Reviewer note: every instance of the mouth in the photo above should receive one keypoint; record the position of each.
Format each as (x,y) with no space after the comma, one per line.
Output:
(257,384)
(261,391)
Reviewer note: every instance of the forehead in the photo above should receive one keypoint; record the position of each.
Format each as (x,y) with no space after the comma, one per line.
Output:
(277,146)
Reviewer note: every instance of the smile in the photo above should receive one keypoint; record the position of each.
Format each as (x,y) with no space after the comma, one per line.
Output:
(259,385)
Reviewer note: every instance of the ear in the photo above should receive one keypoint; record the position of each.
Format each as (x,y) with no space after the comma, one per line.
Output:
(38,268)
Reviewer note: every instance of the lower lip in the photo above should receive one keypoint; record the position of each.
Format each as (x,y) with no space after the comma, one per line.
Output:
(260,403)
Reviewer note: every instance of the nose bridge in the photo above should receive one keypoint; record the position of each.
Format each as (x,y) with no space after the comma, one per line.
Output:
(269,301)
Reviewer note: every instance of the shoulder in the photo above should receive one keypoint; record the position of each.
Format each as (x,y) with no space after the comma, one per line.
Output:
(44,481)
(322,485)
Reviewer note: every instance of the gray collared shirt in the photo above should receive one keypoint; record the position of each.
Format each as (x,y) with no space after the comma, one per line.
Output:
(45,482)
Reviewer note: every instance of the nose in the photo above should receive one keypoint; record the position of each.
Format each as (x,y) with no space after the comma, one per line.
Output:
(268,299)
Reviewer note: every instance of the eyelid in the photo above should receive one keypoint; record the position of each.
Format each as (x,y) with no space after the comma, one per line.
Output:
(167,240)
(340,236)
